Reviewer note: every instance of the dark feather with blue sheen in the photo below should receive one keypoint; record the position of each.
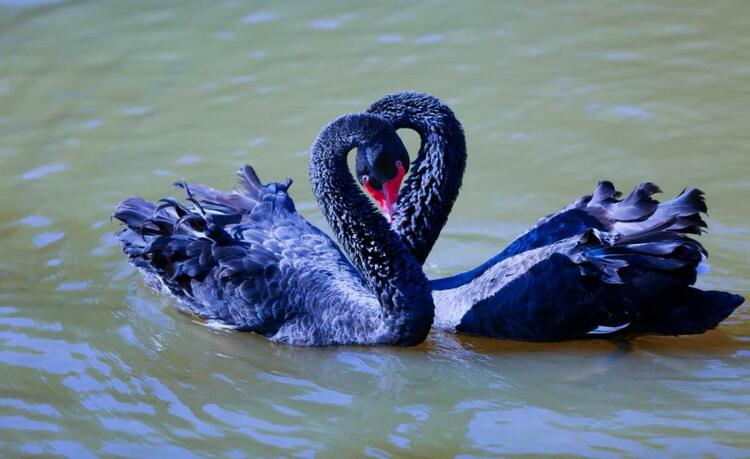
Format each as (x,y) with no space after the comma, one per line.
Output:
(637,269)
(603,211)
(246,259)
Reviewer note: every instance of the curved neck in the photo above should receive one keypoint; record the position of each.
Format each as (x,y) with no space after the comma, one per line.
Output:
(429,192)
(371,245)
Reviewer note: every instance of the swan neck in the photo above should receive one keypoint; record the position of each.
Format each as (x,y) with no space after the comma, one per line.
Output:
(364,234)
(429,192)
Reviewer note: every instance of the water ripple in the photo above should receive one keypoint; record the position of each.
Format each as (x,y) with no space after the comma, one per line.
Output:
(552,96)
(44,239)
(35,221)
(43,171)
(429,39)
(259,17)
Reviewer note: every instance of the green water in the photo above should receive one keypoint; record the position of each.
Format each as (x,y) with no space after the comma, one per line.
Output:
(102,100)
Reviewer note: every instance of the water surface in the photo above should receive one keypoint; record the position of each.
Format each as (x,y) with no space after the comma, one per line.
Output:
(101,100)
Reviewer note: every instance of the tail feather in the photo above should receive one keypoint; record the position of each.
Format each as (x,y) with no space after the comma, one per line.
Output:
(682,212)
(221,202)
(176,247)
(637,206)
(688,202)
(651,273)
(639,210)
(249,180)
(171,229)
(617,258)
(135,213)
(605,193)
(698,311)
(605,211)
(686,209)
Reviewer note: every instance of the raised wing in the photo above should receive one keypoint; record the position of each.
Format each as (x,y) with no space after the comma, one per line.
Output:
(602,211)
(247,260)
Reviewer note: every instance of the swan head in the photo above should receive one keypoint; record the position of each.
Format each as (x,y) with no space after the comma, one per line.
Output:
(380,167)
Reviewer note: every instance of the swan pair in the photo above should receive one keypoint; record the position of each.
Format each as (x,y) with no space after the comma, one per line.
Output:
(248,260)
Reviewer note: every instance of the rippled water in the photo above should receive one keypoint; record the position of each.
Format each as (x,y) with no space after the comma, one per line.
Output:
(101,100)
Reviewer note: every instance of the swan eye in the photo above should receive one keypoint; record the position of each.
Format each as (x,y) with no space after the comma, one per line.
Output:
(365,178)
(399,164)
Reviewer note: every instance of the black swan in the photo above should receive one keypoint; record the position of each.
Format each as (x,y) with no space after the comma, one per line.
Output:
(249,261)
(601,265)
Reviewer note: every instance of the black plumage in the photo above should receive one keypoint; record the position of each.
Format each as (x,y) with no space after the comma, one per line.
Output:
(602,264)
(249,261)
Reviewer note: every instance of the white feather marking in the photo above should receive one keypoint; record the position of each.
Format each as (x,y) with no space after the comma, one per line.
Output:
(605,330)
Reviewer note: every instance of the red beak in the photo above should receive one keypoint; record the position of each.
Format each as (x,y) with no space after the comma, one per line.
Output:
(387,197)
(390,197)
